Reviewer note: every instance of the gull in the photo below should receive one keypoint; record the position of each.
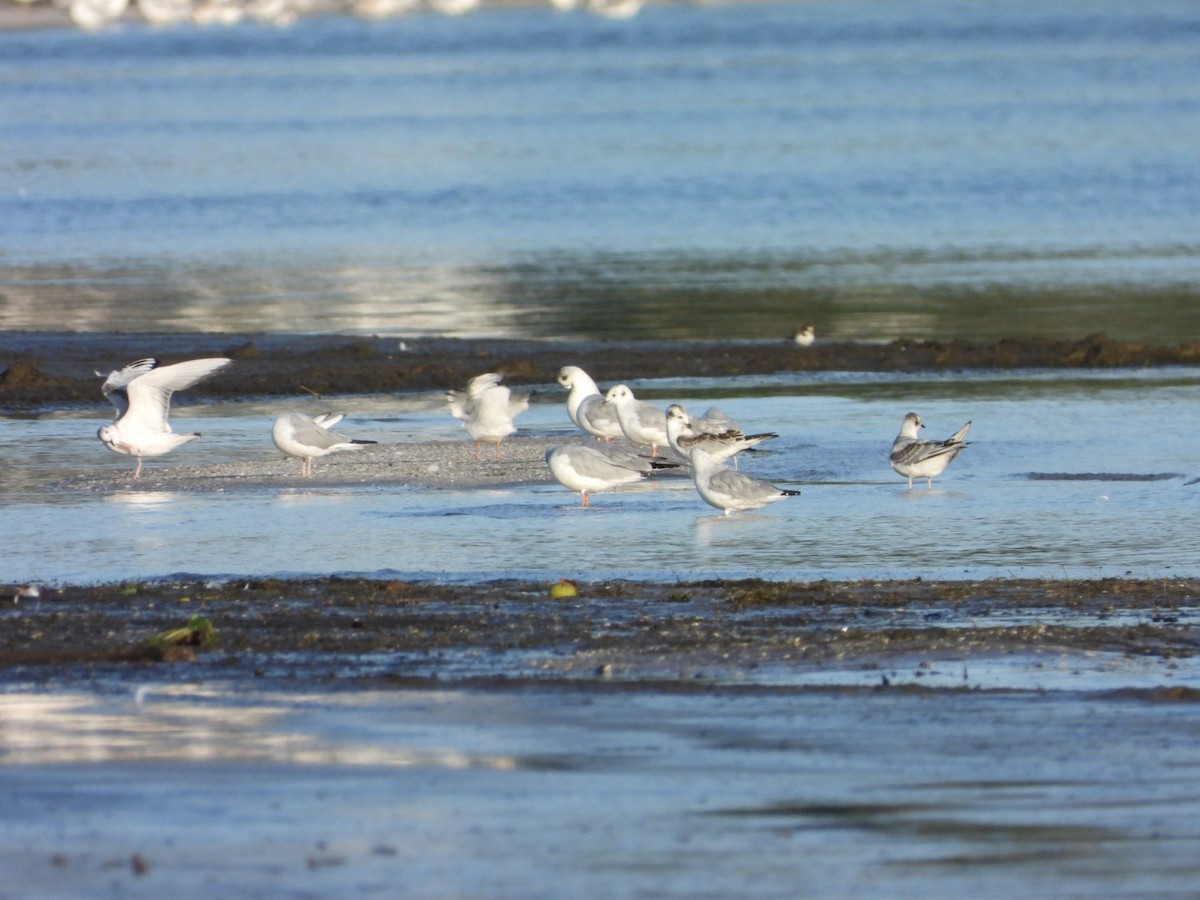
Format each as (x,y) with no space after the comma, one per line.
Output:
(718,436)
(728,490)
(306,437)
(594,469)
(453,7)
(141,392)
(487,409)
(804,337)
(92,15)
(165,12)
(615,9)
(642,422)
(587,407)
(914,458)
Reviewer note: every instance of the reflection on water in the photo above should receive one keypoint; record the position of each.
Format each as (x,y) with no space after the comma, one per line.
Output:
(147,499)
(643,297)
(929,169)
(645,793)
(162,724)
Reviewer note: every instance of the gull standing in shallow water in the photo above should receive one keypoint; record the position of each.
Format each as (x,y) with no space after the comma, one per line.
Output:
(721,441)
(306,437)
(487,409)
(586,407)
(915,458)
(728,490)
(642,422)
(601,468)
(141,392)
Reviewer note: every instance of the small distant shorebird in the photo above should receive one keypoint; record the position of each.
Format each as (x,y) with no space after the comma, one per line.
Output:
(141,392)
(587,407)
(915,458)
(487,409)
(642,422)
(804,337)
(730,491)
(307,437)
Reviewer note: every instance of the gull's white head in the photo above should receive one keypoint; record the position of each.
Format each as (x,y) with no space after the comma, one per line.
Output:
(911,425)
(110,438)
(619,393)
(678,423)
(567,375)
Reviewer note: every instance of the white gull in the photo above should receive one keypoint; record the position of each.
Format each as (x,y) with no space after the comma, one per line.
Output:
(141,392)
(586,407)
(487,409)
(307,437)
(730,491)
(642,422)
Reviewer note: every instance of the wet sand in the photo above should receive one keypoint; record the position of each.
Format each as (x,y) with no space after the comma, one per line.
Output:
(44,369)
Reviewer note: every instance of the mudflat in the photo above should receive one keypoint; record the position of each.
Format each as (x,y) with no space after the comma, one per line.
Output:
(39,369)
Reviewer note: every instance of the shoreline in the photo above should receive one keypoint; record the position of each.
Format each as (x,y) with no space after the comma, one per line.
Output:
(44,369)
(635,635)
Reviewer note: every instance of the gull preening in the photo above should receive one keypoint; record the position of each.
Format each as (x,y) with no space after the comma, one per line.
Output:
(642,422)
(592,469)
(915,458)
(714,432)
(587,407)
(307,437)
(487,409)
(730,491)
(141,392)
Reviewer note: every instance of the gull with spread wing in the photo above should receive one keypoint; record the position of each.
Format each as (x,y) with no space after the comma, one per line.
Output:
(141,393)
(487,409)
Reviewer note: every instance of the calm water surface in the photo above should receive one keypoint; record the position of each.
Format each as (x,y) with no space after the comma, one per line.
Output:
(933,168)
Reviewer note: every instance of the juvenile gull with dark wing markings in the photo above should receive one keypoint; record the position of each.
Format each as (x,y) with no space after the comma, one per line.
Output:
(915,458)
(685,434)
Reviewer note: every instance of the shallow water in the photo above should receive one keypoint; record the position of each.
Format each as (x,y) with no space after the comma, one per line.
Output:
(453,793)
(1076,474)
(929,169)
